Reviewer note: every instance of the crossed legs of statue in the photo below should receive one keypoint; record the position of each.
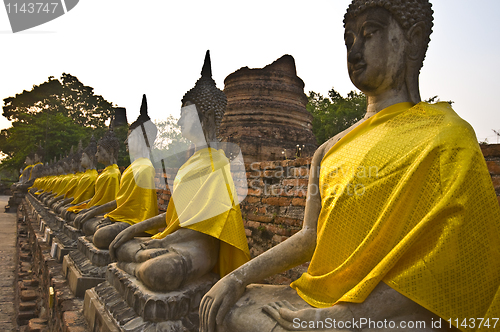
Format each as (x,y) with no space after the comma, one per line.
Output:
(165,267)
(383,306)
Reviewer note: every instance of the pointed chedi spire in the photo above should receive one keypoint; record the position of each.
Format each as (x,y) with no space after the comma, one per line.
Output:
(206,71)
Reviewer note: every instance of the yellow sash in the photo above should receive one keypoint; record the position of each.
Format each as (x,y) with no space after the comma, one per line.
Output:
(107,186)
(204,192)
(136,198)
(407,199)
(86,186)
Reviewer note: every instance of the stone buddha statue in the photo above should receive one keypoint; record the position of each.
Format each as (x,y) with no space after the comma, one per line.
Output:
(60,168)
(72,176)
(203,227)
(108,182)
(76,171)
(84,188)
(37,165)
(25,176)
(401,248)
(136,198)
(47,179)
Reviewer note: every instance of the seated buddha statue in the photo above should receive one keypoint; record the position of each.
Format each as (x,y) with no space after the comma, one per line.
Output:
(417,240)
(77,170)
(136,198)
(108,182)
(25,176)
(37,171)
(44,185)
(203,230)
(73,175)
(84,188)
(62,168)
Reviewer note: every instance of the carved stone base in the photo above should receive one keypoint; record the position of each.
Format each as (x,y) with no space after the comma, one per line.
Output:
(133,307)
(80,273)
(98,257)
(85,267)
(63,245)
(72,232)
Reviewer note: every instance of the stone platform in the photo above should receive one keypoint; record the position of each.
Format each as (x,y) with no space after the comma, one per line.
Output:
(86,267)
(123,303)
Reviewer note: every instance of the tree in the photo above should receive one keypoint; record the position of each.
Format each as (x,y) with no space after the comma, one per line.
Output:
(57,114)
(334,114)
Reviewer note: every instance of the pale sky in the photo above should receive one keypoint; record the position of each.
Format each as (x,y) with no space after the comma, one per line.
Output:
(126,48)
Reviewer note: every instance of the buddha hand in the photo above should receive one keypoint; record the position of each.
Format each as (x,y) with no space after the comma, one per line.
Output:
(290,318)
(218,301)
(126,235)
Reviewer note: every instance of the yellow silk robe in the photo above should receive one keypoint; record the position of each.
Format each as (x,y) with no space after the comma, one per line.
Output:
(69,181)
(204,197)
(106,188)
(407,199)
(61,183)
(73,185)
(136,199)
(86,187)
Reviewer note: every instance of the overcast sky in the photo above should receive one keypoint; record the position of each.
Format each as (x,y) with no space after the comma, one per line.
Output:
(126,48)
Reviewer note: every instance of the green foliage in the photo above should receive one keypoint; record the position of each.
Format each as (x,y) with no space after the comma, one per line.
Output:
(334,114)
(57,114)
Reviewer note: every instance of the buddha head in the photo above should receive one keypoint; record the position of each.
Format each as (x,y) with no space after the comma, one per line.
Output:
(76,158)
(108,147)
(209,103)
(386,43)
(29,158)
(141,133)
(88,155)
(38,158)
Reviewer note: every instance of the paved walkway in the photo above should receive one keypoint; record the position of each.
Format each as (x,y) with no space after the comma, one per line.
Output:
(7,266)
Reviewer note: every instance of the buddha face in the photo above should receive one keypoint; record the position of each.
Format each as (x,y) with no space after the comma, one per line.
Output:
(189,122)
(102,155)
(375,52)
(86,162)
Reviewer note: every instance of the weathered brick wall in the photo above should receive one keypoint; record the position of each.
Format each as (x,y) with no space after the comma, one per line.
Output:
(491,153)
(274,207)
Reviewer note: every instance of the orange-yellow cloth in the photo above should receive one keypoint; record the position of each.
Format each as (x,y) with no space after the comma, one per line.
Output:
(44,184)
(61,183)
(73,185)
(106,188)
(26,174)
(37,183)
(86,187)
(204,194)
(69,180)
(136,198)
(407,199)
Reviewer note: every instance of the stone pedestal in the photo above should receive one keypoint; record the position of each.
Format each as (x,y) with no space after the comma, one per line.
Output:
(125,302)
(85,267)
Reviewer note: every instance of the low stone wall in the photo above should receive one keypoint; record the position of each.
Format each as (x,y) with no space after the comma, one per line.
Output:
(43,288)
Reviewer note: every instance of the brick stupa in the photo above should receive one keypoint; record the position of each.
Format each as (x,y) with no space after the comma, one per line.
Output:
(266,112)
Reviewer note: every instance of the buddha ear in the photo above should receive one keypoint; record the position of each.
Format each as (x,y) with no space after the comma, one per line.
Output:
(415,37)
